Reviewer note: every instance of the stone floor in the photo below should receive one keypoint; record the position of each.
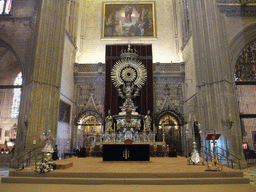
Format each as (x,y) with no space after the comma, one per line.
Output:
(4,165)
(3,172)
(250,173)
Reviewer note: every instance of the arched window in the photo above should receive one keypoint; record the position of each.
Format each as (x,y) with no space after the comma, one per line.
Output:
(16,97)
(246,64)
(187,15)
(245,77)
(5,7)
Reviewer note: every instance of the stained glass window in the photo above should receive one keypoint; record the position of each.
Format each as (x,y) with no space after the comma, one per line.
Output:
(5,7)
(187,14)
(8,6)
(16,97)
(246,65)
(1,6)
(185,22)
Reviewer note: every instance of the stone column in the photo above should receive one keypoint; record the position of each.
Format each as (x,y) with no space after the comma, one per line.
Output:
(41,91)
(217,105)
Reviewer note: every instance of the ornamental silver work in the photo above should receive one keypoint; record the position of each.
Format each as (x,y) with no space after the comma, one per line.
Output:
(128,73)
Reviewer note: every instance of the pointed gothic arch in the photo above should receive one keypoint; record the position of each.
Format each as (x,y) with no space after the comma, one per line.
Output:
(89,128)
(88,124)
(10,91)
(245,80)
(15,50)
(239,42)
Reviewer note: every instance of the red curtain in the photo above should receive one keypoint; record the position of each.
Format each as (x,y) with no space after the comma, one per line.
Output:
(145,100)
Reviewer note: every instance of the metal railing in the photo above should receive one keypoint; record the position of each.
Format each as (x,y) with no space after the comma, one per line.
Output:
(34,155)
(225,157)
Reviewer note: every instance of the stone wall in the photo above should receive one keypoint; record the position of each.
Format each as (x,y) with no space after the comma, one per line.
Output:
(92,48)
(64,129)
(168,87)
(17,31)
(168,79)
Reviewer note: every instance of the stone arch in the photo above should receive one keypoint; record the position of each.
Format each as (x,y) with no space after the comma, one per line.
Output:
(88,113)
(170,122)
(176,115)
(11,65)
(87,131)
(15,50)
(245,89)
(238,43)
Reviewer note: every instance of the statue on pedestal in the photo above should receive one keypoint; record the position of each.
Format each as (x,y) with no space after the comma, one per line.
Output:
(109,122)
(147,121)
(46,165)
(48,148)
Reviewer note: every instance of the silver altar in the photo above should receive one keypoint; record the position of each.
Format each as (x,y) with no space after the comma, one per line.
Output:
(128,76)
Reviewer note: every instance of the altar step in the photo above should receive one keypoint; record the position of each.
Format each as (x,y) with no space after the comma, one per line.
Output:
(125,181)
(157,171)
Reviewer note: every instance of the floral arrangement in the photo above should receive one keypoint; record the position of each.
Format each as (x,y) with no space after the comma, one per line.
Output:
(44,167)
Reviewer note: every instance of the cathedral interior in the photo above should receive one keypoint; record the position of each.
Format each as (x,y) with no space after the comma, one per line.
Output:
(66,65)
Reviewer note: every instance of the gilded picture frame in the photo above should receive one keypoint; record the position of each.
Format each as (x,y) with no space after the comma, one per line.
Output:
(128,20)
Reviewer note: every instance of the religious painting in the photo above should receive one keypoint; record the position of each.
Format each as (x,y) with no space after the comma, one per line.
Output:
(7,134)
(126,20)
(64,112)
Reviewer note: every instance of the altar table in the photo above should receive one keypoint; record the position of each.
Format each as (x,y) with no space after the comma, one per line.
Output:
(126,152)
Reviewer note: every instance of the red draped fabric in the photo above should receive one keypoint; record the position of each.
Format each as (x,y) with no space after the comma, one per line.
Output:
(145,100)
